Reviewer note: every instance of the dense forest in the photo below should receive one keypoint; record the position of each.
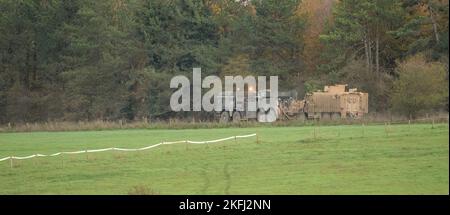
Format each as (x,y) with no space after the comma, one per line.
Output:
(73,60)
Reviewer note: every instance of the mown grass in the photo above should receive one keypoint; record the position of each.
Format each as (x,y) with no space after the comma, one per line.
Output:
(346,159)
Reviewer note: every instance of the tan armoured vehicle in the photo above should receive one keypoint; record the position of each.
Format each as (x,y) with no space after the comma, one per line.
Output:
(334,102)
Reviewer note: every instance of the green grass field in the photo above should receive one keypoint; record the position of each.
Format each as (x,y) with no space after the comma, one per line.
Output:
(288,160)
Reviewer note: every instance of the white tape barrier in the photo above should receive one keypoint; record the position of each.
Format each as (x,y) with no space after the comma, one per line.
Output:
(3,159)
(127,150)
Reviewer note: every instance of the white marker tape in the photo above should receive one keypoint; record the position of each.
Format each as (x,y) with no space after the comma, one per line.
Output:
(127,150)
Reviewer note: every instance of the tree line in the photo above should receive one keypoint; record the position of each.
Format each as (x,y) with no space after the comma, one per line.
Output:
(86,60)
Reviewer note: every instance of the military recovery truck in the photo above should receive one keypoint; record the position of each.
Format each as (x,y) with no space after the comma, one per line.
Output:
(334,102)
(227,114)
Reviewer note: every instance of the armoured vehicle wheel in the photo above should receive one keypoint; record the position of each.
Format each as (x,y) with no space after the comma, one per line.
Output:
(236,117)
(260,116)
(335,116)
(224,117)
(301,117)
(352,116)
(326,116)
(267,116)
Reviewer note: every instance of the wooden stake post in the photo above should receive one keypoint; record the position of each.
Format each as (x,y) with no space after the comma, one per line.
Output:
(314,131)
(386,129)
(363,130)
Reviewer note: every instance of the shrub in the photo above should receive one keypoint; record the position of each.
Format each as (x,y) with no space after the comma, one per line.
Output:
(421,86)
